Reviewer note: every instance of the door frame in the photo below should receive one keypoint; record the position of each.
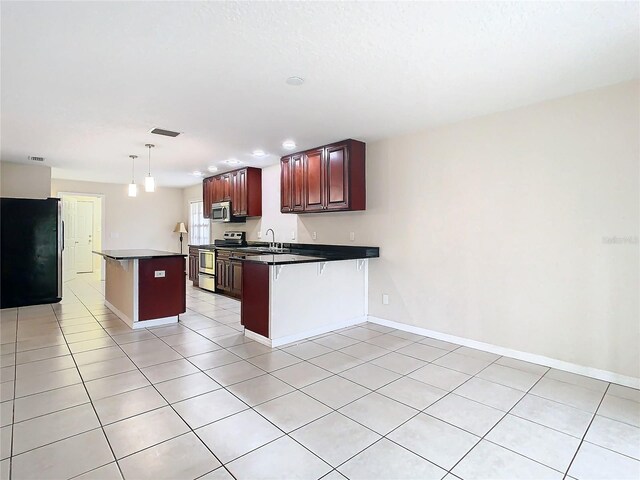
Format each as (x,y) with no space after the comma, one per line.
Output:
(102,198)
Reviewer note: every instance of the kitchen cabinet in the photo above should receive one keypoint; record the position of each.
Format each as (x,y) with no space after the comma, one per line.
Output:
(243,188)
(207,196)
(330,178)
(291,184)
(194,260)
(228,274)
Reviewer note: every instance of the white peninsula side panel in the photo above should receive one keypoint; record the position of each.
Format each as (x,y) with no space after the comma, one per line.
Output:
(308,299)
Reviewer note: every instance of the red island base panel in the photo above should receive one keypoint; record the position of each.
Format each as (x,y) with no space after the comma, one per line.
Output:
(160,297)
(145,288)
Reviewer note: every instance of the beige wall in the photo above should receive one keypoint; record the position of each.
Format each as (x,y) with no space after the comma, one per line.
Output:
(24,181)
(145,221)
(494,229)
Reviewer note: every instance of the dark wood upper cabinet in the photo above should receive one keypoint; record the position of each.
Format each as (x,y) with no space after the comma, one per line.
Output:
(313,175)
(285,185)
(297,183)
(242,187)
(226,187)
(324,179)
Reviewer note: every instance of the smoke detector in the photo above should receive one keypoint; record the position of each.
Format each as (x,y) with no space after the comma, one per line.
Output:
(36,159)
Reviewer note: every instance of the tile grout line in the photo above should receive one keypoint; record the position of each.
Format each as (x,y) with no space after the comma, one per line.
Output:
(87,392)
(595,413)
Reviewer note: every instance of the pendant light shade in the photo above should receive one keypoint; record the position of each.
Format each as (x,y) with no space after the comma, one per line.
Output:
(149,182)
(133,188)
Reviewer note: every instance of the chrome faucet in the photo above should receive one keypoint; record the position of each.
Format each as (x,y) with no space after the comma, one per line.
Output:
(273,238)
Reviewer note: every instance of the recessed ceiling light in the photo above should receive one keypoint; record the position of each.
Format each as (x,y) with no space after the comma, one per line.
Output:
(295,81)
(232,161)
(289,144)
(197,173)
(212,169)
(259,153)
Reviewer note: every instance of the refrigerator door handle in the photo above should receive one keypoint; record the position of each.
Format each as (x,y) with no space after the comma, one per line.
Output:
(60,247)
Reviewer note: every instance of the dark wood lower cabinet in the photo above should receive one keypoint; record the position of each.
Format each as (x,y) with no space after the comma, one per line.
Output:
(194,265)
(228,274)
(254,314)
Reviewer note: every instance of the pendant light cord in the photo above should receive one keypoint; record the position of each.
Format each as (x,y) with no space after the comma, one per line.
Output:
(133,160)
(149,146)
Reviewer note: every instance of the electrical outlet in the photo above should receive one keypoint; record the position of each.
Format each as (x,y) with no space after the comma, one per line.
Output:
(385,299)
(352,236)
(314,235)
(259,234)
(293,234)
(159,273)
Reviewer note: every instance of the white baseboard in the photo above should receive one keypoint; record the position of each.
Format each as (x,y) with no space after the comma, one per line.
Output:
(156,322)
(278,342)
(507,352)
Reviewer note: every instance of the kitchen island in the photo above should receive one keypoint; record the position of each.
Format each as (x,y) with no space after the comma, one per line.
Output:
(287,297)
(145,288)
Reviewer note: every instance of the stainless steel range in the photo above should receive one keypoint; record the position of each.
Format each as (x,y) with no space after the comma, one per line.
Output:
(207,264)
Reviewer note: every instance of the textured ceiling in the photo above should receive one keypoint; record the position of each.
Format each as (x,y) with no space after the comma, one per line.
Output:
(83,82)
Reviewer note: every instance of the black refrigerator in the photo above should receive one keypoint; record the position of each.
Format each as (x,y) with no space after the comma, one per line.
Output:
(31,244)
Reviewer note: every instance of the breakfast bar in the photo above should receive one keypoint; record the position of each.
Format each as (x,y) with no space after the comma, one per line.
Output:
(145,288)
(287,297)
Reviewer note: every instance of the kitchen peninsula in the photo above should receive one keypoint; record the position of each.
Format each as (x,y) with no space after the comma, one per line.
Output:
(307,290)
(145,288)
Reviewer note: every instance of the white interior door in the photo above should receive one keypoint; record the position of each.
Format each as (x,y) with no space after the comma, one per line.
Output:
(84,233)
(69,252)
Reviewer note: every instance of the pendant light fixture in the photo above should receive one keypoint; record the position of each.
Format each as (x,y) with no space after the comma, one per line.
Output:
(149,182)
(133,188)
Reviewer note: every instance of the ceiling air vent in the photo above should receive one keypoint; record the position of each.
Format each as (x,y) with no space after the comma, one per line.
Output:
(166,133)
(36,159)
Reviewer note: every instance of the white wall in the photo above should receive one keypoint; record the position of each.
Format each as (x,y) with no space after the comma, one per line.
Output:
(145,221)
(24,181)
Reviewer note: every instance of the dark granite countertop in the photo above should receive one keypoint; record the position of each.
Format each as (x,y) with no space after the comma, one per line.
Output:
(296,252)
(136,253)
(305,253)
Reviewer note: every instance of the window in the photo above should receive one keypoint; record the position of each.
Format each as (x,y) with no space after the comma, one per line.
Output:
(198,225)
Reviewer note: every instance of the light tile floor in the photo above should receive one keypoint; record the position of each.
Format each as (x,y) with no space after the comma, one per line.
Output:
(83,396)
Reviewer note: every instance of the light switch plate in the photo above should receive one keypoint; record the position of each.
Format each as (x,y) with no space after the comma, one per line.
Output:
(159,273)
(293,234)
(385,299)
(259,234)
(352,236)
(314,235)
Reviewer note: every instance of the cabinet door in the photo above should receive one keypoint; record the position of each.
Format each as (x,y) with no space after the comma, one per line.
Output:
(217,190)
(337,178)
(314,185)
(220,274)
(239,198)
(226,187)
(297,183)
(285,185)
(207,197)
(191,267)
(236,278)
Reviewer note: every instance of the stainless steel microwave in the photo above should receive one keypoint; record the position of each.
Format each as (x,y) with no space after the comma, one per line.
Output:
(222,212)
